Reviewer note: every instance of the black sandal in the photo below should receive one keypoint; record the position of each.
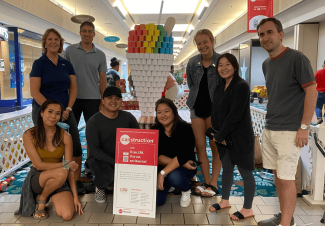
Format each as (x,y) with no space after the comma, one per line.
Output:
(217,207)
(240,216)
(213,192)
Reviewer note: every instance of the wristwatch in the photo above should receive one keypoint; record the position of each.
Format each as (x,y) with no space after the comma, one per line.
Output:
(163,173)
(305,127)
(70,109)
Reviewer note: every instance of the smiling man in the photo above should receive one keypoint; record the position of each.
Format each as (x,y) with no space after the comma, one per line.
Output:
(292,97)
(90,66)
(101,138)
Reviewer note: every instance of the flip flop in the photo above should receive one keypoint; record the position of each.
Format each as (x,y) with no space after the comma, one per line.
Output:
(37,211)
(200,188)
(212,192)
(240,216)
(217,207)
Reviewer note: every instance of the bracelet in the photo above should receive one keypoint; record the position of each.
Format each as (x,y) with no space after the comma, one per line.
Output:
(69,108)
(65,164)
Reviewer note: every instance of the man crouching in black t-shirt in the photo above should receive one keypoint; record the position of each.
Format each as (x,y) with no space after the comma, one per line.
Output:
(101,138)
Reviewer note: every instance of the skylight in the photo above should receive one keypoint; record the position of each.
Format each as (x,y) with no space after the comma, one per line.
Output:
(153,6)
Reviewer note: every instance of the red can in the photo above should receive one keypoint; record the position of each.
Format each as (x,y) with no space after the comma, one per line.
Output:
(12,178)
(10,182)
(3,187)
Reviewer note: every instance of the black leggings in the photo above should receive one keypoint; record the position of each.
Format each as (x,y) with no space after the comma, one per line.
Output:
(227,180)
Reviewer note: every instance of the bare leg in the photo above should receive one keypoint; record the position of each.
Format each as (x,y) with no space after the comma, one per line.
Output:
(287,196)
(216,163)
(199,128)
(50,180)
(64,205)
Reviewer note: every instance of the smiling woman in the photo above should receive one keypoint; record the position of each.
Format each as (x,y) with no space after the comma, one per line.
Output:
(53,77)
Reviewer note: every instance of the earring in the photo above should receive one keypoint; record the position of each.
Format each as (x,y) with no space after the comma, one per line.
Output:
(45,47)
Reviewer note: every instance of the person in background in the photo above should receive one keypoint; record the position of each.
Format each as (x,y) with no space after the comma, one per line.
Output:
(46,144)
(176,159)
(90,66)
(53,77)
(131,86)
(291,91)
(233,134)
(101,138)
(202,79)
(320,80)
(112,76)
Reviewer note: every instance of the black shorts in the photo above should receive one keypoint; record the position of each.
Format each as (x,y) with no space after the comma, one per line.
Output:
(37,189)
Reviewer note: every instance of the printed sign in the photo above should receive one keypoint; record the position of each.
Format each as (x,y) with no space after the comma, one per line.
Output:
(2,65)
(135,181)
(257,10)
(3,34)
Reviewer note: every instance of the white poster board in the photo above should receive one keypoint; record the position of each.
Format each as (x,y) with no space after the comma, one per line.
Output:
(135,181)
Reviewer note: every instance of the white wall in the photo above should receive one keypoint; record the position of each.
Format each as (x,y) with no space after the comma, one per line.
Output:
(258,56)
(288,39)
(321,46)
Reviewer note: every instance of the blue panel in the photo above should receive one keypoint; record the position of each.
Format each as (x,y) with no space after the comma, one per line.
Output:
(170,45)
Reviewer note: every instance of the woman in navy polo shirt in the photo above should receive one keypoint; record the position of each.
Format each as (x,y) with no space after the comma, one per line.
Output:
(53,77)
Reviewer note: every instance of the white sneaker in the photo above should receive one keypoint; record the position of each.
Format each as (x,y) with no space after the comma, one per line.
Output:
(100,195)
(186,198)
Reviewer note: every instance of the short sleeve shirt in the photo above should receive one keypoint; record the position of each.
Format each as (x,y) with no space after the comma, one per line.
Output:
(286,76)
(55,79)
(87,65)
(320,79)
(111,77)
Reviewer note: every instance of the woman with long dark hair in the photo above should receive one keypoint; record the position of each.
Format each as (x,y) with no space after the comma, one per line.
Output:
(53,77)
(50,176)
(233,133)
(176,157)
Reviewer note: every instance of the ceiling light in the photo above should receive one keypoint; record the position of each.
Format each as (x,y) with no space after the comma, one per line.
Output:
(119,12)
(177,39)
(189,34)
(153,6)
(202,13)
(203,5)
(184,41)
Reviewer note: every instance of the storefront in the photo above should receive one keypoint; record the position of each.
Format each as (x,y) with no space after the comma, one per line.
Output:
(17,45)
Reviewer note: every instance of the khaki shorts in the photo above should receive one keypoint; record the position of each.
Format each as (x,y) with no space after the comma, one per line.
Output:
(280,153)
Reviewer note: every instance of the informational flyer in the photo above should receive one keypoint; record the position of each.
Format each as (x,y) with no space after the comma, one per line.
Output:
(135,181)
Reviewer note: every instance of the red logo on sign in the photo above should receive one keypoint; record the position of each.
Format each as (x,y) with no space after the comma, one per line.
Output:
(120,211)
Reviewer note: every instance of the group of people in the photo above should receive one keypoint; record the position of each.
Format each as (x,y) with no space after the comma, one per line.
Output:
(219,102)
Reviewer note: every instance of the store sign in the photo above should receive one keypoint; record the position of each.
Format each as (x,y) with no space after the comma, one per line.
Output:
(2,65)
(112,39)
(3,34)
(257,11)
(135,181)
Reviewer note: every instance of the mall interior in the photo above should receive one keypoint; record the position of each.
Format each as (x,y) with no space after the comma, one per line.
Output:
(22,25)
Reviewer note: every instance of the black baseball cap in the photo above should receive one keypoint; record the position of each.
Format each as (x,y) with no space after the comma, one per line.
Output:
(112,90)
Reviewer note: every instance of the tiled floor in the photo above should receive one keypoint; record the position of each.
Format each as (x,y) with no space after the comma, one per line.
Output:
(171,213)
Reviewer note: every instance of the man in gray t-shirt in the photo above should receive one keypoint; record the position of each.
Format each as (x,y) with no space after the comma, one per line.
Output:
(292,97)
(90,66)
(101,138)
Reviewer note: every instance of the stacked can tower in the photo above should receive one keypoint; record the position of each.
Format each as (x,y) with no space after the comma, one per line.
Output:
(150,56)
